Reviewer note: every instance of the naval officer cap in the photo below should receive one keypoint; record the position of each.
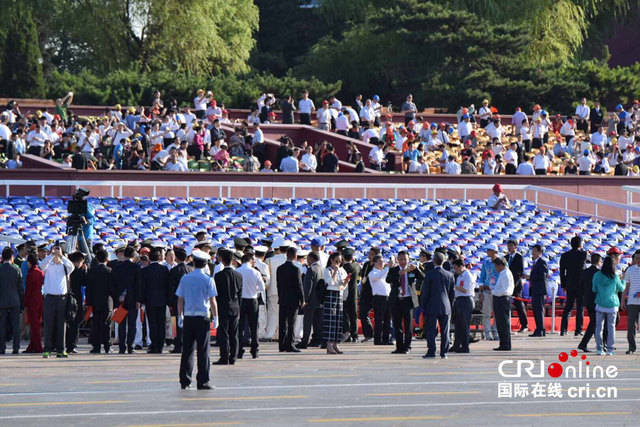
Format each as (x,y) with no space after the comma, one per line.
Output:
(200,255)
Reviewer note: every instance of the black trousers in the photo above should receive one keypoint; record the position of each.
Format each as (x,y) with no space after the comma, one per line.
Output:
(536,143)
(127,330)
(527,145)
(350,317)
(366,305)
(227,336)
(53,318)
(541,171)
(11,315)
(431,323)
(249,315)
(157,317)
(402,312)
(583,125)
(591,327)
(463,308)
(572,297)
(73,327)
(520,306)
(382,313)
(501,308)
(510,169)
(100,330)
(312,319)
(286,318)
(305,119)
(195,332)
(537,304)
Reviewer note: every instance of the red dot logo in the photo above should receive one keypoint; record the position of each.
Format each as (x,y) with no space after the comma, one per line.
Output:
(563,357)
(583,357)
(574,353)
(555,369)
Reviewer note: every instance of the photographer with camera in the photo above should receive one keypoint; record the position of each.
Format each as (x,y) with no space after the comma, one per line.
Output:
(56,267)
(80,223)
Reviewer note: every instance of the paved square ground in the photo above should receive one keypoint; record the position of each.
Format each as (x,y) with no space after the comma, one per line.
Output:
(365,386)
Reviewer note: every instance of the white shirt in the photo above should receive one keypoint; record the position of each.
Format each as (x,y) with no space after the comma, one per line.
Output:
(511,157)
(5,132)
(353,116)
(375,155)
(582,111)
(370,133)
(252,283)
(308,162)
(517,118)
(598,139)
(305,106)
(342,122)
(540,161)
(632,277)
(567,129)
(525,132)
(504,285)
(258,136)
(585,163)
(367,113)
(468,282)
(324,116)
(378,281)
(263,268)
(200,103)
(525,168)
(55,279)
(464,129)
(177,167)
(336,104)
(274,262)
(452,168)
(605,165)
(289,164)
(494,131)
(336,285)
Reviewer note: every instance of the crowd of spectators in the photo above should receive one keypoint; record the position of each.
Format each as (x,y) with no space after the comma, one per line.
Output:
(168,137)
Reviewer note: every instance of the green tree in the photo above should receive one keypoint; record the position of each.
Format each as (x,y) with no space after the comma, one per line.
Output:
(20,57)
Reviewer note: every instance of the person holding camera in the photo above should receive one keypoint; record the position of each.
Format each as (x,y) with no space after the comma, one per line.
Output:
(56,267)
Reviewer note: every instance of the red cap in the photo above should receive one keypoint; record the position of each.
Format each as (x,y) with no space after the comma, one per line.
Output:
(325,102)
(613,250)
(635,101)
(144,251)
(536,107)
(497,188)
(267,163)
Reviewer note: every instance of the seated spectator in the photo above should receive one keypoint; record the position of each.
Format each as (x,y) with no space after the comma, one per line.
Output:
(571,168)
(498,199)
(222,156)
(602,164)
(14,163)
(466,167)
(267,167)
(173,164)
(251,162)
(585,163)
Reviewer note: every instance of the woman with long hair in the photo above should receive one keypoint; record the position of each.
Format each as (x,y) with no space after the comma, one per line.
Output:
(335,279)
(606,285)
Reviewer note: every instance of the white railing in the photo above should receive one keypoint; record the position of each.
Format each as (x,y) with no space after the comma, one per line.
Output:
(631,190)
(329,187)
(627,208)
(329,190)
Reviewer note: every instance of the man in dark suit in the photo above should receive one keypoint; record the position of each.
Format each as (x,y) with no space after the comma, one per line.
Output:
(155,284)
(175,274)
(403,279)
(101,293)
(437,296)
(290,299)
(366,295)
(538,288)
(350,307)
(229,285)
(571,266)
(313,307)
(596,116)
(127,276)
(516,265)
(586,280)
(11,298)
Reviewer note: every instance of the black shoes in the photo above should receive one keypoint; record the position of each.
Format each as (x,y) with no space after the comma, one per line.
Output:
(94,351)
(501,349)
(205,386)
(293,349)
(397,351)
(429,356)
(584,349)
(220,362)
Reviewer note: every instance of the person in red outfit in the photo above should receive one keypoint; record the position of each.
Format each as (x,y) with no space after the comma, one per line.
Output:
(33,302)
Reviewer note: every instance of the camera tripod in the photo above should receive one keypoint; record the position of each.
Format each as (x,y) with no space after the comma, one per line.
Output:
(76,239)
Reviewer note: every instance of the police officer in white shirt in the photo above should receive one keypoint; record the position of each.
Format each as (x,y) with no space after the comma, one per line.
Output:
(306,107)
(252,287)
(57,268)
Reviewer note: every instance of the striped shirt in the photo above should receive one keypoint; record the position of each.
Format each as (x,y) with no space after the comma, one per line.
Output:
(632,277)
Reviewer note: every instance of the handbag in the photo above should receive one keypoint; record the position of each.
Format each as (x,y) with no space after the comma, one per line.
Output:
(71,305)
(119,314)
